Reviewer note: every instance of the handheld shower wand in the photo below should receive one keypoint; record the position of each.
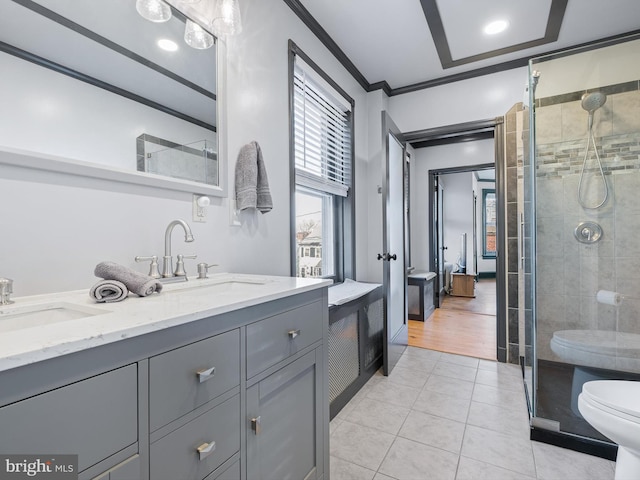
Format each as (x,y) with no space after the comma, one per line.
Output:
(592,102)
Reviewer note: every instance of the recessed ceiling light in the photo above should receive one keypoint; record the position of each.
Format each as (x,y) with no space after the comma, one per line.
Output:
(168,45)
(495,27)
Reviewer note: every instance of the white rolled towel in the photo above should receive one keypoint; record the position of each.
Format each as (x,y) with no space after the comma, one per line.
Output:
(109,291)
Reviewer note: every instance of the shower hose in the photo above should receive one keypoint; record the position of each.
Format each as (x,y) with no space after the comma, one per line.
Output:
(591,140)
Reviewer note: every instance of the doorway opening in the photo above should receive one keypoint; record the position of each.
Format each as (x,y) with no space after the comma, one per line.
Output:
(470,296)
(465,246)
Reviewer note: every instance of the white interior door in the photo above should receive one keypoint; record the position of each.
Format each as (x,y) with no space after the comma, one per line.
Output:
(393,255)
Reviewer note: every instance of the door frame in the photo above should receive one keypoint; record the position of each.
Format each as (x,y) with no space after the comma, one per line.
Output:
(462,132)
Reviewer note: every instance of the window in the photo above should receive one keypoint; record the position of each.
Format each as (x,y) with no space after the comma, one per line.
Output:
(322,159)
(489,218)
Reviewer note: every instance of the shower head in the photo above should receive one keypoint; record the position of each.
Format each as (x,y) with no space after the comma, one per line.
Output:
(593,101)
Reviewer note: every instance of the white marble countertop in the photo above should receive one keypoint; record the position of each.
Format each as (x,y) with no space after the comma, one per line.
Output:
(177,304)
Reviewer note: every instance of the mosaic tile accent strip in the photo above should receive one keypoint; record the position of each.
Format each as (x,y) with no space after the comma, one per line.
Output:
(618,154)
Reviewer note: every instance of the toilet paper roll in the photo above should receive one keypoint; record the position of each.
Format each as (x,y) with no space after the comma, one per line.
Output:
(609,298)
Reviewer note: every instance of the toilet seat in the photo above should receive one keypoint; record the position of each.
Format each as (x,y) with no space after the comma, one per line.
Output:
(598,348)
(617,397)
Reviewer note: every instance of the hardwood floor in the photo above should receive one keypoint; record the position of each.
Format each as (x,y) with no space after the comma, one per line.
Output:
(465,326)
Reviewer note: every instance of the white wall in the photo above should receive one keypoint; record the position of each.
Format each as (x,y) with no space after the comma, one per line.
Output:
(434,158)
(589,70)
(373,240)
(478,98)
(57,227)
(458,217)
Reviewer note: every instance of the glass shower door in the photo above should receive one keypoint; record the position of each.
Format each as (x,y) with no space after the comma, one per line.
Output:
(581,207)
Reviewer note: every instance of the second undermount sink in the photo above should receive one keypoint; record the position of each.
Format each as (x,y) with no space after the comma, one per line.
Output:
(218,285)
(20,317)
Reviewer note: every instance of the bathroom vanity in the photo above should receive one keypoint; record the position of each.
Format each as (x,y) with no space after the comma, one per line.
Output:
(223,379)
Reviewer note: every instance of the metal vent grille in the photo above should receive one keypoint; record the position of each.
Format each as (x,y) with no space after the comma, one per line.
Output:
(344,366)
(374,331)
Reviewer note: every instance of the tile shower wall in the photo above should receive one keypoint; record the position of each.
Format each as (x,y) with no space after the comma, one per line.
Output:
(519,275)
(570,273)
(512,119)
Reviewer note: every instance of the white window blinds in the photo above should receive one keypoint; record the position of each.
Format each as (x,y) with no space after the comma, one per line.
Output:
(322,137)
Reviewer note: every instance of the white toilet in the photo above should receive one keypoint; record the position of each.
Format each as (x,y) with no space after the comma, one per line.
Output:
(613,408)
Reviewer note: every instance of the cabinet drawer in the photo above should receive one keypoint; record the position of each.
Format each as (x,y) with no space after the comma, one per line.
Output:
(176,455)
(276,338)
(176,387)
(93,418)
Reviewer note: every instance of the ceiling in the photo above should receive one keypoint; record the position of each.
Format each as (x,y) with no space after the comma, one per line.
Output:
(406,45)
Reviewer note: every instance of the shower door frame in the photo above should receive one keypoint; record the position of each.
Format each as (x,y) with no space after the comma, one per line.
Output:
(543,429)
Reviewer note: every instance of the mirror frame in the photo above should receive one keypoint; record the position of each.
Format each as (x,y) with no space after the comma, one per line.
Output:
(52,163)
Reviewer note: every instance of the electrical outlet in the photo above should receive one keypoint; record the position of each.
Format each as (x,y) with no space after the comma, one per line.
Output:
(199,208)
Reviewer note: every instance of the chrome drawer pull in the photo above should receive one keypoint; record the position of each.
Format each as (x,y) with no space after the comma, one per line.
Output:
(256,425)
(206,449)
(206,374)
(294,333)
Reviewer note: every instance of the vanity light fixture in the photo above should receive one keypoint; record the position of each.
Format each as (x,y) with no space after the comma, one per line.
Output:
(226,18)
(197,37)
(154,10)
(495,27)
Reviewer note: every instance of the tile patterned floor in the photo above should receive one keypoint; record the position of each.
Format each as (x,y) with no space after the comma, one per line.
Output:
(448,417)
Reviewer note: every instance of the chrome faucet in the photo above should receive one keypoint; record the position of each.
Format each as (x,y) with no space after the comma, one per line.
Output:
(167,267)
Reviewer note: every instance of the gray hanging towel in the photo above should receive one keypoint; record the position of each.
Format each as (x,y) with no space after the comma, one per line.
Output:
(265,203)
(252,184)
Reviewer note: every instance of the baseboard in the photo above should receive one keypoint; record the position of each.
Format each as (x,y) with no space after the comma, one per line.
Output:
(573,442)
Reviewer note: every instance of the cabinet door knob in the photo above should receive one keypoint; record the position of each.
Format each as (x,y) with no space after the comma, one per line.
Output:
(206,374)
(294,333)
(206,449)
(256,425)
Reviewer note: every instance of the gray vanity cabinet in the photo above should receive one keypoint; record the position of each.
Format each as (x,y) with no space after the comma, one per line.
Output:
(284,438)
(238,396)
(285,406)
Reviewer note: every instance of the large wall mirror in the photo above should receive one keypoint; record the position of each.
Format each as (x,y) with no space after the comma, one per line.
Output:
(91,86)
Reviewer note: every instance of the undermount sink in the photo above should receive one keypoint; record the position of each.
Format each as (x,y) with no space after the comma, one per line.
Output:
(28,316)
(216,285)
(235,285)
